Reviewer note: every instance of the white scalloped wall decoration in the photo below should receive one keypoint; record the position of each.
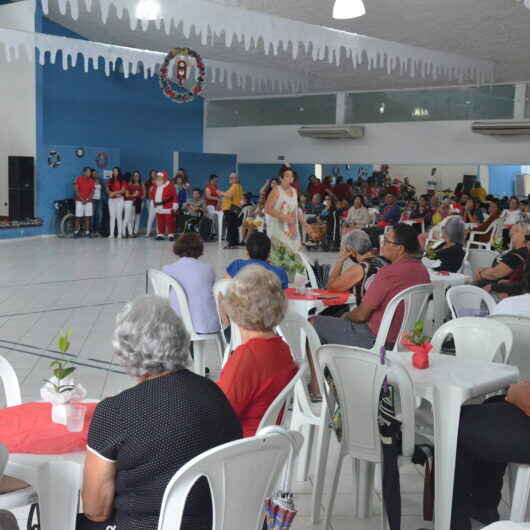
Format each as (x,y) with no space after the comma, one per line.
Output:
(19,43)
(210,21)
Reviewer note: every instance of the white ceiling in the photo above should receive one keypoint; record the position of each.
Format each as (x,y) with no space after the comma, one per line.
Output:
(496,30)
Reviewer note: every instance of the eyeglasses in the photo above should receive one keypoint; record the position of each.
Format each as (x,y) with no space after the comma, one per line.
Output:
(388,242)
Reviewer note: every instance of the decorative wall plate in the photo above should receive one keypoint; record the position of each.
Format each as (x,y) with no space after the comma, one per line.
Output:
(80,152)
(102,159)
(54,159)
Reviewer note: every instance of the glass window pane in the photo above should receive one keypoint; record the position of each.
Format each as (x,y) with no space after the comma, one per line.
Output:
(302,110)
(470,103)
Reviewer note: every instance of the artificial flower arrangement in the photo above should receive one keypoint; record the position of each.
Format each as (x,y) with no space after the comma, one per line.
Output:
(497,244)
(61,389)
(282,256)
(419,345)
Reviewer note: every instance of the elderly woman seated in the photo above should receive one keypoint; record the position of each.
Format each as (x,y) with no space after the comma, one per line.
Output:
(259,369)
(507,272)
(451,253)
(357,251)
(141,437)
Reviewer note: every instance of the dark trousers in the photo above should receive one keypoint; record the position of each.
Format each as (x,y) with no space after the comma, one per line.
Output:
(490,436)
(233,221)
(97,215)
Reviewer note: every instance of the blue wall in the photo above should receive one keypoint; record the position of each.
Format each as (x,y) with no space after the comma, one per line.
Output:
(199,167)
(502,179)
(253,176)
(129,118)
(353,172)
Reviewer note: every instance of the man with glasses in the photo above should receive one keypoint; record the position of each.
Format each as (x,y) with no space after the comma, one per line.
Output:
(360,326)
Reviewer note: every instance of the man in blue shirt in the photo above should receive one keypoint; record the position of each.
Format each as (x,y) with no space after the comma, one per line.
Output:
(258,249)
(391,212)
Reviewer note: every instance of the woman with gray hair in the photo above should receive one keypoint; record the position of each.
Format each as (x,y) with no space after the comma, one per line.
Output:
(141,437)
(451,254)
(259,369)
(356,249)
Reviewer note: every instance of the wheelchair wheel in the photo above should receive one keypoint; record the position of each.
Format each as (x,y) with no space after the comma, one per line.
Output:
(67,225)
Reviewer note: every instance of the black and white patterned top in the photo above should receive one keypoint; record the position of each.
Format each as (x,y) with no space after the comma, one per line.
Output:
(153,429)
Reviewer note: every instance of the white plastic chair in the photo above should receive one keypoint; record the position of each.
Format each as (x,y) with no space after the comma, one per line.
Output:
(507,525)
(468,300)
(295,330)
(358,376)
(491,230)
(278,406)
(480,258)
(520,492)
(520,357)
(241,476)
(415,300)
(15,499)
(220,287)
(476,338)
(10,382)
(162,285)
(313,282)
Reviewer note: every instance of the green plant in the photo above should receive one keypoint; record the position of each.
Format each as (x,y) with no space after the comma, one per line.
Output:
(497,244)
(417,337)
(430,252)
(61,368)
(282,256)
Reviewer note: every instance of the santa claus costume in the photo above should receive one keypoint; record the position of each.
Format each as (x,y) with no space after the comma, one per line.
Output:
(164,196)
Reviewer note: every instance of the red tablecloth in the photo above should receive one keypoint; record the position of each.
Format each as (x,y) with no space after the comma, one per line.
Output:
(28,428)
(317,294)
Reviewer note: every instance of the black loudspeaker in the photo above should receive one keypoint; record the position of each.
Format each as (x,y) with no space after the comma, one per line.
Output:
(21,187)
(469,182)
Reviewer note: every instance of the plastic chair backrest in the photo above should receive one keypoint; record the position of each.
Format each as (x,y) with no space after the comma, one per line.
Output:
(220,287)
(162,285)
(468,300)
(415,300)
(10,383)
(476,338)
(309,270)
(4,456)
(520,357)
(480,258)
(277,407)
(358,377)
(237,495)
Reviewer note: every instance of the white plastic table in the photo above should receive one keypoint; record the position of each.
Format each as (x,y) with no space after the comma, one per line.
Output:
(447,384)
(57,481)
(441,282)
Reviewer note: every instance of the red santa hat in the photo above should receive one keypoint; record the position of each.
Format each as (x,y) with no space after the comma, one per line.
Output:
(163,174)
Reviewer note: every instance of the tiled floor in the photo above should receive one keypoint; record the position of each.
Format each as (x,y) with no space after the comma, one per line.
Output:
(49,285)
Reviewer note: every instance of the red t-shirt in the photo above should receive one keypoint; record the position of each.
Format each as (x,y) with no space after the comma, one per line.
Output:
(214,191)
(342,191)
(132,188)
(85,188)
(390,281)
(316,188)
(116,185)
(254,375)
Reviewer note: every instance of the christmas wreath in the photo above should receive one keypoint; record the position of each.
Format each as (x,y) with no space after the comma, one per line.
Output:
(54,159)
(102,160)
(176,91)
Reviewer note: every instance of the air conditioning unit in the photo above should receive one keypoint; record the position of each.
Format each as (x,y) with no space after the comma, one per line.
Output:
(332,132)
(501,128)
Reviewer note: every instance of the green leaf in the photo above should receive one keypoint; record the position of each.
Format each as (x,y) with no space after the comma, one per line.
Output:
(69,332)
(68,371)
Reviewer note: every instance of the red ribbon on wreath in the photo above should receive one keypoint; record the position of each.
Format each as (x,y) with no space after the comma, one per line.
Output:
(176,91)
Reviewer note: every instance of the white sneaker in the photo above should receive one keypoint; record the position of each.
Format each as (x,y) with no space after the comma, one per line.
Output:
(119,236)
(111,236)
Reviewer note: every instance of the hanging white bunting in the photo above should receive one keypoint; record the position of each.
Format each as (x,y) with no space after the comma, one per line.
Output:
(210,21)
(17,43)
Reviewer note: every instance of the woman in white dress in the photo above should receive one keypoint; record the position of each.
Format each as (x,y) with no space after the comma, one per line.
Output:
(283,215)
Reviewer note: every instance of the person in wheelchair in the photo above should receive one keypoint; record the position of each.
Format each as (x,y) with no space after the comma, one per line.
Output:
(192,211)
